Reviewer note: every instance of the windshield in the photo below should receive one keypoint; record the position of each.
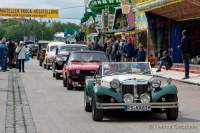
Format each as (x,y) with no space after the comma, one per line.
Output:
(88,57)
(53,48)
(73,48)
(126,68)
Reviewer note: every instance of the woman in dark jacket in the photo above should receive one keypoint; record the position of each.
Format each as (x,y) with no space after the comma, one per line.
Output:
(141,54)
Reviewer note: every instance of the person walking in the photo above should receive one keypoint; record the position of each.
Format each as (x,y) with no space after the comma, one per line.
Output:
(21,51)
(185,48)
(141,54)
(129,51)
(3,55)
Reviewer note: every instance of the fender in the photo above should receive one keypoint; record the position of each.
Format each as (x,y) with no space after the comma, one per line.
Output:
(89,85)
(103,91)
(164,90)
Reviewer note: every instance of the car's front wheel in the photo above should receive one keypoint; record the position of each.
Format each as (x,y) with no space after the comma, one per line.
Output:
(87,105)
(172,113)
(97,114)
(64,82)
(57,75)
(69,86)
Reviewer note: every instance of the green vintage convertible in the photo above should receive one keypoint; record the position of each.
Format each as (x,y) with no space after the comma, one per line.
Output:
(129,87)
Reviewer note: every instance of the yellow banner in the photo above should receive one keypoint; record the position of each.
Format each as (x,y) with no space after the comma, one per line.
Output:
(34,13)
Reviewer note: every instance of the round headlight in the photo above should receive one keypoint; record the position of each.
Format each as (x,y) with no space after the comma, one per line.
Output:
(155,83)
(145,98)
(115,83)
(128,98)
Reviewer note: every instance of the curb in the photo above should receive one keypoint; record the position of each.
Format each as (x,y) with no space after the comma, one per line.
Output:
(188,82)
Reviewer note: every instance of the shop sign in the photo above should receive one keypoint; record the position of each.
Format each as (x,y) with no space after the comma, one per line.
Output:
(105,20)
(111,21)
(33,13)
(99,23)
(131,19)
(141,21)
(125,6)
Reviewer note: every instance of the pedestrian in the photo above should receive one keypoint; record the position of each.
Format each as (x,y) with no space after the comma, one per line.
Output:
(115,47)
(129,51)
(165,61)
(141,54)
(109,49)
(185,49)
(3,55)
(21,51)
(11,53)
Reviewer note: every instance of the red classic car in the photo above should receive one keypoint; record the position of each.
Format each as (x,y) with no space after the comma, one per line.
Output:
(80,65)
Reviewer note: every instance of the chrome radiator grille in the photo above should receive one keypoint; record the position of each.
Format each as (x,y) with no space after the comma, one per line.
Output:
(134,90)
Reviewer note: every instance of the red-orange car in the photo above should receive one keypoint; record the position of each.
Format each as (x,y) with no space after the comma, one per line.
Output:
(81,65)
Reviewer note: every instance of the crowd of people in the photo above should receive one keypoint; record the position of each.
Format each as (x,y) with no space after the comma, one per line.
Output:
(120,50)
(12,54)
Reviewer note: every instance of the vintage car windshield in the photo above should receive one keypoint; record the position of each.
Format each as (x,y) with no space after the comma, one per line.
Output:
(73,48)
(53,48)
(63,56)
(88,57)
(125,68)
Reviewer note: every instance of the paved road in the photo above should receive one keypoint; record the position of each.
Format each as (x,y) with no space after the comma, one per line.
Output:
(53,109)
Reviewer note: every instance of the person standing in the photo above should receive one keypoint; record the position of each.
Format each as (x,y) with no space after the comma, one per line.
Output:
(129,51)
(3,55)
(141,54)
(11,52)
(21,51)
(185,49)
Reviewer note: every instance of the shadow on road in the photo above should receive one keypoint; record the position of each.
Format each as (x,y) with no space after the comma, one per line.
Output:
(121,116)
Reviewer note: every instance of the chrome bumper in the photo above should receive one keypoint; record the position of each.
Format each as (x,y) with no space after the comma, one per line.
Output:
(59,71)
(122,105)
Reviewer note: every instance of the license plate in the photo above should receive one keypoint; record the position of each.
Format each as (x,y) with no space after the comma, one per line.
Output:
(137,107)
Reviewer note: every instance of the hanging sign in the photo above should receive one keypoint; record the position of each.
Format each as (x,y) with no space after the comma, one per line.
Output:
(35,13)
(125,6)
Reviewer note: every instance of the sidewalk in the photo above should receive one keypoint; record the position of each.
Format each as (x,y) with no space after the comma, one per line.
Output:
(177,75)
(3,99)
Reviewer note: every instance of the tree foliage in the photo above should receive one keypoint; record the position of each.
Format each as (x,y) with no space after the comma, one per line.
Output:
(14,29)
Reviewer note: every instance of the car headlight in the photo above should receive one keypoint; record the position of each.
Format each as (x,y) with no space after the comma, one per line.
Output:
(155,83)
(145,98)
(59,61)
(115,83)
(128,98)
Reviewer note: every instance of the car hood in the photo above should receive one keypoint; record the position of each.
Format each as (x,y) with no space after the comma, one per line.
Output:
(83,66)
(128,79)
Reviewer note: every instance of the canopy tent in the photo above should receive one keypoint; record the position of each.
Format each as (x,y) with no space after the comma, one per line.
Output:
(97,6)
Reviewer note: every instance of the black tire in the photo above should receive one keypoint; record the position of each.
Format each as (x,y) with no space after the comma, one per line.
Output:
(57,76)
(48,67)
(69,87)
(40,63)
(64,83)
(172,113)
(87,106)
(54,75)
(97,114)
(45,66)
